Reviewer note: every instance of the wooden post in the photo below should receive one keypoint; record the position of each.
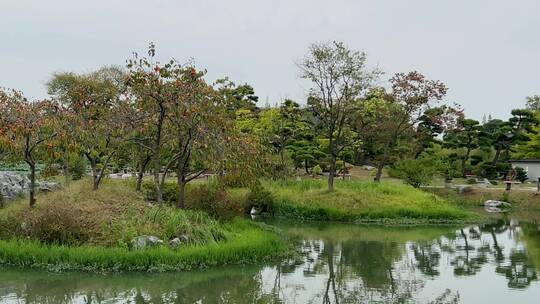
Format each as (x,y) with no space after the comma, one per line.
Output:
(508,185)
(538,185)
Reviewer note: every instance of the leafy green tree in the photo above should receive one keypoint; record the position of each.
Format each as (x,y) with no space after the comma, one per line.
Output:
(432,123)
(305,150)
(90,104)
(197,123)
(288,126)
(339,76)
(184,121)
(520,131)
(533,102)
(237,97)
(464,136)
(410,97)
(497,134)
(155,88)
(368,118)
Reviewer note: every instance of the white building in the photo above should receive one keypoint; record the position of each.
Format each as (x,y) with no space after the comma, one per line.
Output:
(531,166)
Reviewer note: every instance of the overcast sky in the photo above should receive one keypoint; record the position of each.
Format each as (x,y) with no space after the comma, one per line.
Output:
(487,52)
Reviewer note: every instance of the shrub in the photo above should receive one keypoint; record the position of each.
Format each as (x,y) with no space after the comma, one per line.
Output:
(50,170)
(505,197)
(471,181)
(214,200)
(415,172)
(59,223)
(170,191)
(493,182)
(521,174)
(489,171)
(262,200)
(317,170)
(235,179)
(77,167)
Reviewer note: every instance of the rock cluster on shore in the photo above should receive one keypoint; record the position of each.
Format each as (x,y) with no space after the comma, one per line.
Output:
(13,185)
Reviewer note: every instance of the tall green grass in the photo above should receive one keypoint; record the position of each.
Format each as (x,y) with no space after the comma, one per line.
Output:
(247,244)
(360,201)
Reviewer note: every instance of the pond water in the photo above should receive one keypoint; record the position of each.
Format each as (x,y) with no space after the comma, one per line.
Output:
(495,263)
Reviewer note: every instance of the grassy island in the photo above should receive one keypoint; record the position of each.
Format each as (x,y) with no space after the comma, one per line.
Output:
(80,229)
(362,201)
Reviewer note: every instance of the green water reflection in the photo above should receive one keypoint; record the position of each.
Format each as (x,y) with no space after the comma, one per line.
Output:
(339,263)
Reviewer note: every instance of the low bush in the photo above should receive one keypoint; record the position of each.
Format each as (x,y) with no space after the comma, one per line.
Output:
(77,166)
(50,170)
(260,199)
(415,172)
(521,174)
(214,200)
(317,170)
(170,191)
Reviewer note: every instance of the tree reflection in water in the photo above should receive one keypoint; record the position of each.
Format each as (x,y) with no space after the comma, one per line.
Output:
(338,264)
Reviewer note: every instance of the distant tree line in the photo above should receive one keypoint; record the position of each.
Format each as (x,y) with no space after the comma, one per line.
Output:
(166,117)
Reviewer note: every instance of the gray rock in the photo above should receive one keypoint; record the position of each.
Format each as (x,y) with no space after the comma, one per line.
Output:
(47,186)
(494,209)
(12,185)
(496,204)
(145,241)
(178,241)
(368,167)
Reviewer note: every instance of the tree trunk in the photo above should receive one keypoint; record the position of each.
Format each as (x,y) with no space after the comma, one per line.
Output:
(157,183)
(380,168)
(464,162)
(30,161)
(181,185)
(332,173)
(157,154)
(140,174)
(306,166)
(65,169)
(95,173)
(181,195)
(383,161)
(32,183)
(360,156)
(496,157)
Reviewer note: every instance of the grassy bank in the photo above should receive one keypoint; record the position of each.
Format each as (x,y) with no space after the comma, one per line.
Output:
(80,229)
(361,201)
(250,245)
(521,200)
